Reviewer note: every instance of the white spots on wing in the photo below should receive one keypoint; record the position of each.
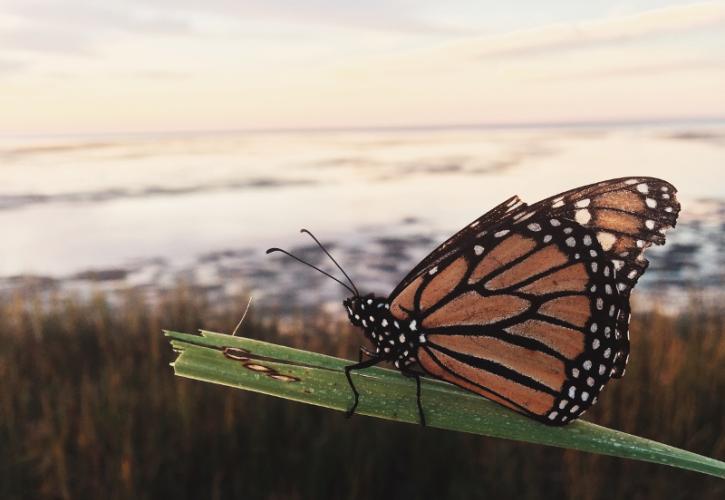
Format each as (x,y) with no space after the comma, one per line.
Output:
(478,249)
(607,352)
(668,209)
(664,188)
(572,392)
(401,338)
(665,196)
(357,317)
(587,240)
(576,256)
(607,331)
(605,239)
(612,310)
(629,182)
(593,288)
(600,303)
(553,415)
(585,395)
(583,203)
(618,264)
(632,274)
(595,344)
(433,270)
(568,230)
(386,349)
(558,204)
(590,381)
(547,238)
(555,222)
(474,223)
(650,224)
(534,227)
(574,409)
(593,253)
(621,286)
(421,338)
(501,233)
(594,266)
(526,216)
(608,289)
(575,372)
(587,364)
(396,324)
(643,188)
(602,369)
(413,325)
(640,243)
(372,319)
(593,328)
(384,323)
(563,403)
(651,202)
(570,241)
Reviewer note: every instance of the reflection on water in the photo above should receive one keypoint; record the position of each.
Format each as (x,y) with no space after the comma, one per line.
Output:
(147,210)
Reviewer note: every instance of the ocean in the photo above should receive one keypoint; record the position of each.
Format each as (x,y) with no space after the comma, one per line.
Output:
(147,211)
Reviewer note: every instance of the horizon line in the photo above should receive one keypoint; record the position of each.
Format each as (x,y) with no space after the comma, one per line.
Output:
(704,120)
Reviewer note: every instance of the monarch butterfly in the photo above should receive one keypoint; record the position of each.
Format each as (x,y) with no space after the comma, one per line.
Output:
(528,305)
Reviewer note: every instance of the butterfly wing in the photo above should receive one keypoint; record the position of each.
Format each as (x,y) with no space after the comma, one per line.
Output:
(628,215)
(462,238)
(524,310)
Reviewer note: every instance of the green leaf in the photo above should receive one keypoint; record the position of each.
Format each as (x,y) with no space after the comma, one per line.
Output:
(318,379)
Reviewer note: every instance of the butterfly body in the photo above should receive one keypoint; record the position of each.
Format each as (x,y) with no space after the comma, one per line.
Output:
(465,314)
(528,305)
(393,339)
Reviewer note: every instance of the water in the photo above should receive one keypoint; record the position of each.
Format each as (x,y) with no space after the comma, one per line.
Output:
(112,212)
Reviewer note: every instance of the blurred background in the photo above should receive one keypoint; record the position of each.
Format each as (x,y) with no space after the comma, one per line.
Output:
(150,152)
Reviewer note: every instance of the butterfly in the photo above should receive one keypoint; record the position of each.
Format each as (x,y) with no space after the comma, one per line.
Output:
(528,305)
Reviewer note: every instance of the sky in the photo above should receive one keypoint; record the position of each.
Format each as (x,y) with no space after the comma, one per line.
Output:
(71,66)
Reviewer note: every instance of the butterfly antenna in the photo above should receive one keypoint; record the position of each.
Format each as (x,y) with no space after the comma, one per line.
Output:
(271,250)
(357,293)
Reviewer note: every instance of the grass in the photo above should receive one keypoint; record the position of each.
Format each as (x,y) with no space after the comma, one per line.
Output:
(320,380)
(90,409)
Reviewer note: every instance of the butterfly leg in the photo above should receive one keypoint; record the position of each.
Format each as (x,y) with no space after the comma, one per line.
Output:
(364,352)
(416,376)
(359,366)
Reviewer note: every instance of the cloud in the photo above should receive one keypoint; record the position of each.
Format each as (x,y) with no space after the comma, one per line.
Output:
(76,27)
(625,29)
(10,66)
(548,43)
(378,15)
(646,69)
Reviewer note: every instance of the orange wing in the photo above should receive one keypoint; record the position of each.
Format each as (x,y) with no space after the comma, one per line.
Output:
(627,215)
(527,311)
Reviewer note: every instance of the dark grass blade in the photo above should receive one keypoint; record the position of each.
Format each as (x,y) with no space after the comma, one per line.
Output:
(318,379)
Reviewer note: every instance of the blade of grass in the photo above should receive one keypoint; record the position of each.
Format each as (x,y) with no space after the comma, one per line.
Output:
(318,379)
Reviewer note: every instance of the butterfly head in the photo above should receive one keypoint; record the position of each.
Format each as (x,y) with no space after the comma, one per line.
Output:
(363,311)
